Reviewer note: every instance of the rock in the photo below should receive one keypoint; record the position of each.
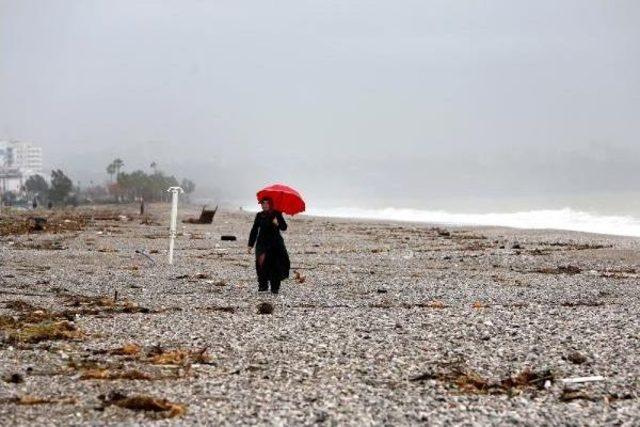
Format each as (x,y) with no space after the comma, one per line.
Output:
(576,358)
(265,308)
(15,378)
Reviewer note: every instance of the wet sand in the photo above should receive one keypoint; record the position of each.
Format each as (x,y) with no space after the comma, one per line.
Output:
(381,323)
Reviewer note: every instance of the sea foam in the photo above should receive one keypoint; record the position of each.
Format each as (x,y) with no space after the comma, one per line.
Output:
(561,219)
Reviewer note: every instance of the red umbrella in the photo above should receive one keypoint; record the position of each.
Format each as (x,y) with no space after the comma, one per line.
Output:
(285,199)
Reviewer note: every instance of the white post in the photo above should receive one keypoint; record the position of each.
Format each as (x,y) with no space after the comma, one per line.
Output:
(175,191)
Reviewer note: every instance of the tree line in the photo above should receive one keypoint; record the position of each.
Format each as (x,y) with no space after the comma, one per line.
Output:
(122,187)
(136,185)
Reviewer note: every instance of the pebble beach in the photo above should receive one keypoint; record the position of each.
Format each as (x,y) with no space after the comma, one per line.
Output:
(380,323)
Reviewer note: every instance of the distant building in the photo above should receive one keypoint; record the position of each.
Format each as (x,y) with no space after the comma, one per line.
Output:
(18,161)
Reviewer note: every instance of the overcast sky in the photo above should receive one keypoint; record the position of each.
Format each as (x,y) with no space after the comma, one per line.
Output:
(378,103)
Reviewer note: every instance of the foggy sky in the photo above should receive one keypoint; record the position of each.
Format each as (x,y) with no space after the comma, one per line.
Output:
(364,102)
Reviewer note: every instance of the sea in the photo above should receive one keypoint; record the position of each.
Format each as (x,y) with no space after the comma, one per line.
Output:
(556,219)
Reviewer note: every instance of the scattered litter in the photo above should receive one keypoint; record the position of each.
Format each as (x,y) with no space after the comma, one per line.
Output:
(206,217)
(581,380)
(146,255)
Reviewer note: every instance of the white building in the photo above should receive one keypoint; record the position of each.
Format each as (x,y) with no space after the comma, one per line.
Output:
(18,161)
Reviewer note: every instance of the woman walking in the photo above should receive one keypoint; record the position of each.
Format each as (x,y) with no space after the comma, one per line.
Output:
(272,259)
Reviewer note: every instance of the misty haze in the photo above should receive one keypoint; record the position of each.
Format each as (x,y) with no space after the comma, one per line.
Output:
(335,212)
(447,105)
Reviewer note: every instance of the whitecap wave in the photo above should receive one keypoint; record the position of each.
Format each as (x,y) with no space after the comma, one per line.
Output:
(560,219)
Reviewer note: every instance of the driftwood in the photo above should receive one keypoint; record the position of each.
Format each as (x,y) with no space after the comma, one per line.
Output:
(206,217)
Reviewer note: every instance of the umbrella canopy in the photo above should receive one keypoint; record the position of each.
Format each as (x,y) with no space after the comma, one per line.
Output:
(284,199)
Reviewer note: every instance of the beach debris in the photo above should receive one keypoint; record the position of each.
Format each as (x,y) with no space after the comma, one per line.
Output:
(94,305)
(228,238)
(146,255)
(129,349)
(576,358)
(582,303)
(206,217)
(578,246)
(34,400)
(620,273)
(470,381)
(299,277)
(224,309)
(115,374)
(441,232)
(37,223)
(15,378)
(147,220)
(382,291)
(265,308)
(579,380)
(162,407)
(42,245)
(430,304)
(563,269)
(571,395)
(479,304)
(178,356)
(218,283)
(516,245)
(54,223)
(44,331)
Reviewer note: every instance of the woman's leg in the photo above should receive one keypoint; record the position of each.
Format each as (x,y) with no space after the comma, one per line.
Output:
(261,270)
(274,274)
(275,283)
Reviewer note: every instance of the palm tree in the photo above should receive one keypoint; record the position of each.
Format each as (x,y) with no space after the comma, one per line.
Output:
(118,164)
(111,169)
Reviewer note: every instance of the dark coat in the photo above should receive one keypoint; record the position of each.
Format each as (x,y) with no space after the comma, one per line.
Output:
(266,237)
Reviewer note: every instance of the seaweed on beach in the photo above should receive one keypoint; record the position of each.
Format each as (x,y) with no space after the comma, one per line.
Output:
(563,269)
(44,331)
(161,407)
(178,356)
(29,400)
(469,381)
(116,374)
(94,305)
(16,224)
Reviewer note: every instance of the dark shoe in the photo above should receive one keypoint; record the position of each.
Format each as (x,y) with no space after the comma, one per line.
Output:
(263,288)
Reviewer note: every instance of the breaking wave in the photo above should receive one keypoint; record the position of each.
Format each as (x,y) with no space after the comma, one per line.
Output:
(561,219)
